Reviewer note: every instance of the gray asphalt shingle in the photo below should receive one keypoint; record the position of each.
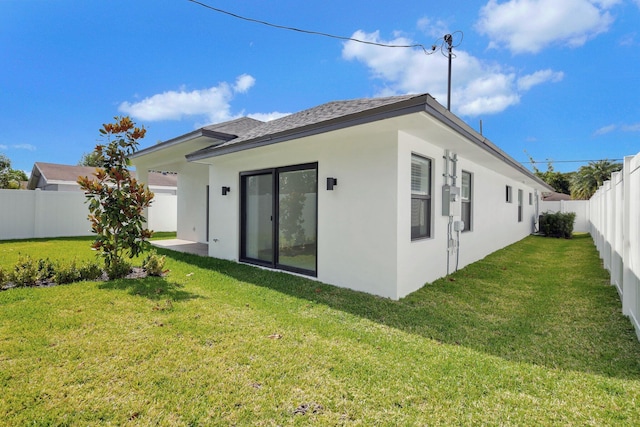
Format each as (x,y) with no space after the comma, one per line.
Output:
(319,114)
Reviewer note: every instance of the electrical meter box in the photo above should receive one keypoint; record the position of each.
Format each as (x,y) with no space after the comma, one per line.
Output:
(451,200)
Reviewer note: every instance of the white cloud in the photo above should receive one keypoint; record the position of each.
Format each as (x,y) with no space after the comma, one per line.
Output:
(634,127)
(631,128)
(267,117)
(628,39)
(605,130)
(244,83)
(531,25)
(435,29)
(3,147)
(213,103)
(477,87)
(542,76)
(27,147)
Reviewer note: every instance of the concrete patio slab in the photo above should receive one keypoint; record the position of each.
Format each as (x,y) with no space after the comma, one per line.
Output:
(180,245)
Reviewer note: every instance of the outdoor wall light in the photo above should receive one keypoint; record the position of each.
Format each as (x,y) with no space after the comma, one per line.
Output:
(331,182)
(225,190)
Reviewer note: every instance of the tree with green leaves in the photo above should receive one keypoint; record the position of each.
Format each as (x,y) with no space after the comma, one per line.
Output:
(589,178)
(561,182)
(116,200)
(93,158)
(10,178)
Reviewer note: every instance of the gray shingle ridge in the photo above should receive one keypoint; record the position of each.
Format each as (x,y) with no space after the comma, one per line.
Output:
(237,127)
(321,113)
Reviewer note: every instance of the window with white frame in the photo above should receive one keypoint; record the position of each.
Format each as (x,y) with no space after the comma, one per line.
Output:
(520,203)
(420,197)
(509,198)
(466,200)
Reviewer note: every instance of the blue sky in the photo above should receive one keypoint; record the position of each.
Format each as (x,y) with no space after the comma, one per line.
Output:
(559,79)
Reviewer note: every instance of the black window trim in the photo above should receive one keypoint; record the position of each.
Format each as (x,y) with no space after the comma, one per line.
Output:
(275,212)
(424,197)
(467,227)
(520,205)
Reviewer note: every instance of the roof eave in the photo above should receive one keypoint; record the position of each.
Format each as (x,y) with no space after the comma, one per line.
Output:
(445,116)
(408,106)
(199,133)
(32,184)
(420,103)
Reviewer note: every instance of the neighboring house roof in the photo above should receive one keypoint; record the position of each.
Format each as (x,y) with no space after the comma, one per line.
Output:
(554,197)
(246,133)
(52,173)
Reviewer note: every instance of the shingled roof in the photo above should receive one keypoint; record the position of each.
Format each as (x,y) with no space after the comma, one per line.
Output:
(246,133)
(322,113)
(53,172)
(237,127)
(321,116)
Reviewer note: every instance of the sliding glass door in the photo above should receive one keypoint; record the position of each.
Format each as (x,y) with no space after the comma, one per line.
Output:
(258,214)
(279,218)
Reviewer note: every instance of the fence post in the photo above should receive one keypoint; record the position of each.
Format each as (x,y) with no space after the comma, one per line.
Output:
(628,285)
(37,217)
(608,199)
(617,183)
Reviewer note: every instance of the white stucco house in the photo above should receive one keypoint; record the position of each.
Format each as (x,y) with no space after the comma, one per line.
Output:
(379,195)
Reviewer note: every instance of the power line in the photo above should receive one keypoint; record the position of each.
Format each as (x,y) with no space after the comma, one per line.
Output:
(317,33)
(571,161)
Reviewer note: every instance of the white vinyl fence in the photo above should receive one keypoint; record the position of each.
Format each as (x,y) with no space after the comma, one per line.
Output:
(32,214)
(615,227)
(579,207)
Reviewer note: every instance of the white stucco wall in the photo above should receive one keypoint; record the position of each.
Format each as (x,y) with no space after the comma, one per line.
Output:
(356,232)
(494,221)
(192,202)
(364,234)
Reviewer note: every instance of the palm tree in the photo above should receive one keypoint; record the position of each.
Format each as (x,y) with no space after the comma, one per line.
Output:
(589,178)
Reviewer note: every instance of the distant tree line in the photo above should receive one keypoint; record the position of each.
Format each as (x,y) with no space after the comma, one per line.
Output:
(583,183)
(10,178)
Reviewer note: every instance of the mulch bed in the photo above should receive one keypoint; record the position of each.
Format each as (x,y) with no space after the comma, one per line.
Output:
(136,273)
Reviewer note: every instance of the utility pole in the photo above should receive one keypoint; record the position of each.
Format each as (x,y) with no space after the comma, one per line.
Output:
(448,38)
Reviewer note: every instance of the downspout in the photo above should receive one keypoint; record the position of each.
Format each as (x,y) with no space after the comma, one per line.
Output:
(446,182)
(536,219)
(455,176)
(450,179)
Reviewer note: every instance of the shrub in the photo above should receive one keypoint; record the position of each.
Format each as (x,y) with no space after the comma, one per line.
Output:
(559,224)
(118,269)
(25,272)
(90,271)
(154,264)
(46,269)
(4,277)
(67,273)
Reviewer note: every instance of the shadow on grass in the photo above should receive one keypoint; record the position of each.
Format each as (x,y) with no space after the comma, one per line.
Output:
(154,288)
(488,308)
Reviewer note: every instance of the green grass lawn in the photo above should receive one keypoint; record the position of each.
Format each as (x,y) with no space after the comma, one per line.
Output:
(531,335)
